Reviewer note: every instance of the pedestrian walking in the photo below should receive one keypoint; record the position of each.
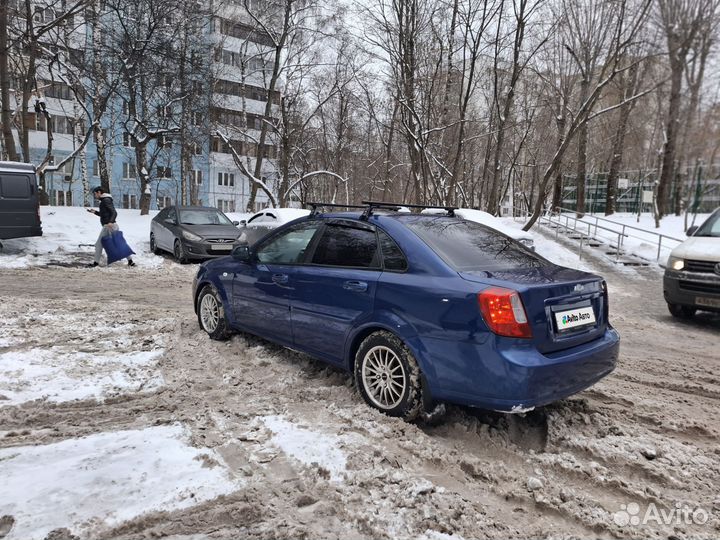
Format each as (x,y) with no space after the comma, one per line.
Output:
(108,215)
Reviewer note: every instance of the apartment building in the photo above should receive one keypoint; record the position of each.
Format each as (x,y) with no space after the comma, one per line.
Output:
(232,95)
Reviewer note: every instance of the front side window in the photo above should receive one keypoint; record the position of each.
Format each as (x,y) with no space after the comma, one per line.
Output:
(172,214)
(347,245)
(289,246)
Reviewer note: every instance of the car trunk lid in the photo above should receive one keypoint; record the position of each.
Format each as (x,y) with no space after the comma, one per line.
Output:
(564,307)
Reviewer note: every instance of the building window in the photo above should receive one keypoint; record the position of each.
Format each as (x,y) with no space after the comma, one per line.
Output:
(62,198)
(164,172)
(196,176)
(164,202)
(225,205)
(96,168)
(130,201)
(129,140)
(196,148)
(226,179)
(164,141)
(129,171)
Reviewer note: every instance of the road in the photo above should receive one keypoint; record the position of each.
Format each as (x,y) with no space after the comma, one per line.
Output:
(646,436)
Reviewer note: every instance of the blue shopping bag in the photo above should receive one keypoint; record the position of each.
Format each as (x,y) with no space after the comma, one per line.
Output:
(116,247)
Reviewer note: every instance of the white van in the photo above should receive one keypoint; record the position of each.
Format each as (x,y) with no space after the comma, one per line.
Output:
(692,275)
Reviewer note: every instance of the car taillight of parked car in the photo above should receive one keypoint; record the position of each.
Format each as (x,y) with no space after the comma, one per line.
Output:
(504,312)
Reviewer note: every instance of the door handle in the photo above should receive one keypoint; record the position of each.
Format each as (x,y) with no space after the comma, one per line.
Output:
(359,286)
(280,279)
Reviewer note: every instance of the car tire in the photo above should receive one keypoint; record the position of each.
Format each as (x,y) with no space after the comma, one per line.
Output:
(179,252)
(388,377)
(153,245)
(211,314)
(681,312)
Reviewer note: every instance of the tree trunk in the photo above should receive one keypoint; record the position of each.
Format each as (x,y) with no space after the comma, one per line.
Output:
(561,120)
(141,164)
(618,149)
(5,81)
(671,132)
(98,102)
(582,156)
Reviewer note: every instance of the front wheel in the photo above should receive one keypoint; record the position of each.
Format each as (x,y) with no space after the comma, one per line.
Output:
(681,312)
(153,245)
(388,377)
(211,314)
(179,252)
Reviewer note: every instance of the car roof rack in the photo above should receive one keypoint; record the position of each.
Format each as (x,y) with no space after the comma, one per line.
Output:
(396,206)
(369,206)
(315,205)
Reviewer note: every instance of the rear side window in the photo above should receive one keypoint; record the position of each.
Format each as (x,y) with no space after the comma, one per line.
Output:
(15,186)
(393,258)
(346,245)
(466,245)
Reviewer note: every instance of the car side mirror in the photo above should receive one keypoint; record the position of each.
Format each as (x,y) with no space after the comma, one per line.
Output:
(242,253)
(170,221)
(236,223)
(691,230)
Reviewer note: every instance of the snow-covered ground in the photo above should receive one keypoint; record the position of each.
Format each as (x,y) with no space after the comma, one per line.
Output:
(119,418)
(69,235)
(105,478)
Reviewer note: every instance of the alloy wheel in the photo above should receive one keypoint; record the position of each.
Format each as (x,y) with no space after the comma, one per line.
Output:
(209,313)
(383,377)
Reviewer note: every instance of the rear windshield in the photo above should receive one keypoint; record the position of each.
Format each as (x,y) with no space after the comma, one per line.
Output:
(468,246)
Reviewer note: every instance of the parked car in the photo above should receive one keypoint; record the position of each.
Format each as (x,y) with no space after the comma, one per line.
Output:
(478,216)
(266,220)
(692,274)
(192,232)
(19,203)
(421,308)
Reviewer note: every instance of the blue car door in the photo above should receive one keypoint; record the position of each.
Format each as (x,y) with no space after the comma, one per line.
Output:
(335,290)
(262,287)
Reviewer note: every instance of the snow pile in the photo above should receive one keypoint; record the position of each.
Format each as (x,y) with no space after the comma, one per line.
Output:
(551,250)
(644,242)
(66,484)
(308,447)
(63,376)
(69,235)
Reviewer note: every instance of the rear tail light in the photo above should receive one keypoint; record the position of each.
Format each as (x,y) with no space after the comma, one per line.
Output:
(504,312)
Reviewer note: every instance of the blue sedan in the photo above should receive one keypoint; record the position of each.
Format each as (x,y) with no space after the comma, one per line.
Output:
(422,309)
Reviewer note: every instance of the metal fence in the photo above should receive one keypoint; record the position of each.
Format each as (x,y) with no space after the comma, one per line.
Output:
(700,190)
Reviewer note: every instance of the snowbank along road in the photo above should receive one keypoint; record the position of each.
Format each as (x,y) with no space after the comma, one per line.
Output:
(119,418)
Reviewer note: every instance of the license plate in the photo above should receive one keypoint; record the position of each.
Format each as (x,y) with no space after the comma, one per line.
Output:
(708,302)
(574,318)
(221,247)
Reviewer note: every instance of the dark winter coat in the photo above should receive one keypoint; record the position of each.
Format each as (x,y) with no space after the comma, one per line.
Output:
(106,210)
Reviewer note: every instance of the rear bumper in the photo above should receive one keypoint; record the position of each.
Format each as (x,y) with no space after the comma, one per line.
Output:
(509,375)
(699,290)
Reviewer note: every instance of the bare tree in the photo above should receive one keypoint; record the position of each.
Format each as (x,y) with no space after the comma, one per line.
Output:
(682,22)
